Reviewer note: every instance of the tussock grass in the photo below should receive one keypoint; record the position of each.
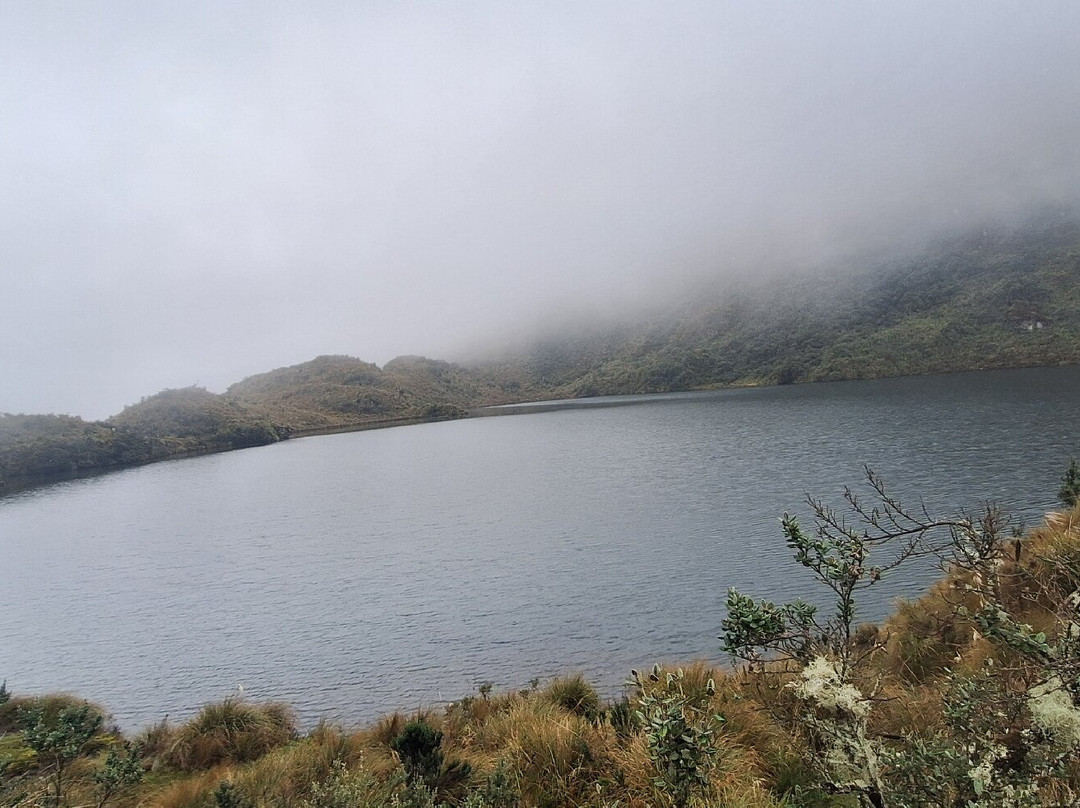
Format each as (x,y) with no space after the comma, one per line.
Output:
(51,703)
(574,695)
(230,731)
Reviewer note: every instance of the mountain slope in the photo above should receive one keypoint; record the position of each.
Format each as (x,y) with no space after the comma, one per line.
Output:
(999,298)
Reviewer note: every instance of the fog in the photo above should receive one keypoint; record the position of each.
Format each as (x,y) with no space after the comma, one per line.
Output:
(194,192)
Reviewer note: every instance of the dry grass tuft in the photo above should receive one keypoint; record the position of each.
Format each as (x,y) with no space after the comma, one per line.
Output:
(231,731)
(575,695)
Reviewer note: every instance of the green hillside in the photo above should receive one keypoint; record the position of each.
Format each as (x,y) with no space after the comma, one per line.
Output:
(172,423)
(999,298)
(340,391)
(49,446)
(194,420)
(327,393)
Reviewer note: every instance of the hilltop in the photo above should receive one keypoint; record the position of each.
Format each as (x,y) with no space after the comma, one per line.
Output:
(993,298)
(342,391)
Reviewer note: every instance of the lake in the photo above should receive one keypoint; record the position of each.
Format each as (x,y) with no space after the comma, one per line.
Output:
(357,573)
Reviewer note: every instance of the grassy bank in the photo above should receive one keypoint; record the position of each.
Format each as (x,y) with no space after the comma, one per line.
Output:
(968,696)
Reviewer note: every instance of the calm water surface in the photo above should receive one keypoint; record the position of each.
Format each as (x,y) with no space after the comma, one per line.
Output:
(358,573)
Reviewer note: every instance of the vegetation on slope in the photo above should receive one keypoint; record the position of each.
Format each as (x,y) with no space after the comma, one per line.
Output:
(50,446)
(341,391)
(997,298)
(193,420)
(173,423)
(329,392)
(969,696)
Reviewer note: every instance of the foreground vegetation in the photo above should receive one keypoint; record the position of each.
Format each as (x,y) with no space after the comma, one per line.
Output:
(969,696)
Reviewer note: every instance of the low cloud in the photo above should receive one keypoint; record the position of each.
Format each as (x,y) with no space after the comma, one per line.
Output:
(192,193)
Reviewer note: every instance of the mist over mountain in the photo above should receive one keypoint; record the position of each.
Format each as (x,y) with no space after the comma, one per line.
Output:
(1001,295)
(192,194)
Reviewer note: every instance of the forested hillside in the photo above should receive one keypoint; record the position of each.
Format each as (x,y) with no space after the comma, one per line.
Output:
(996,298)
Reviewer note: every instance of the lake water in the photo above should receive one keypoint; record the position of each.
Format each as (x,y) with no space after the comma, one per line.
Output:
(357,573)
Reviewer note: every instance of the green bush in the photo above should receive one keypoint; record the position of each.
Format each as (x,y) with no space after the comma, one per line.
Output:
(418,747)
(1069,493)
(58,737)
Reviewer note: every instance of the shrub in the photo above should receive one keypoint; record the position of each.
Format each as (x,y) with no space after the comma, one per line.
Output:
(1006,718)
(1069,493)
(575,695)
(678,734)
(226,796)
(351,788)
(231,731)
(621,717)
(50,703)
(58,738)
(418,746)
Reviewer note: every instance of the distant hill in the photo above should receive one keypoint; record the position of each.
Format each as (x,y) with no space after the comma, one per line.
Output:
(999,297)
(172,423)
(41,447)
(996,298)
(194,420)
(340,391)
(326,394)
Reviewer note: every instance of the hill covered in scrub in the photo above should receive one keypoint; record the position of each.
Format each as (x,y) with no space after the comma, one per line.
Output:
(999,297)
(327,393)
(967,696)
(340,391)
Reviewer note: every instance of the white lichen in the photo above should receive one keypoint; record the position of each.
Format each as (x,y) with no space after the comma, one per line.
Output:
(1053,710)
(982,775)
(822,684)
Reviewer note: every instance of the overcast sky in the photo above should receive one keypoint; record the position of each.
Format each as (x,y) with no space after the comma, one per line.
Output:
(194,192)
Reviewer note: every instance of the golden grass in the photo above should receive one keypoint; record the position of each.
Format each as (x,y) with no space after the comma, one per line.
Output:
(230,731)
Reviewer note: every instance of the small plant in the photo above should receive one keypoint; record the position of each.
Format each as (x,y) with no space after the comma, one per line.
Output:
(500,788)
(679,735)
(226,795)
(621,717)
(59,738)
(5,694)
(415,795)
(231,731)
(1069,493)
(354,788)
(575,695)
(418,747)
(122,770)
